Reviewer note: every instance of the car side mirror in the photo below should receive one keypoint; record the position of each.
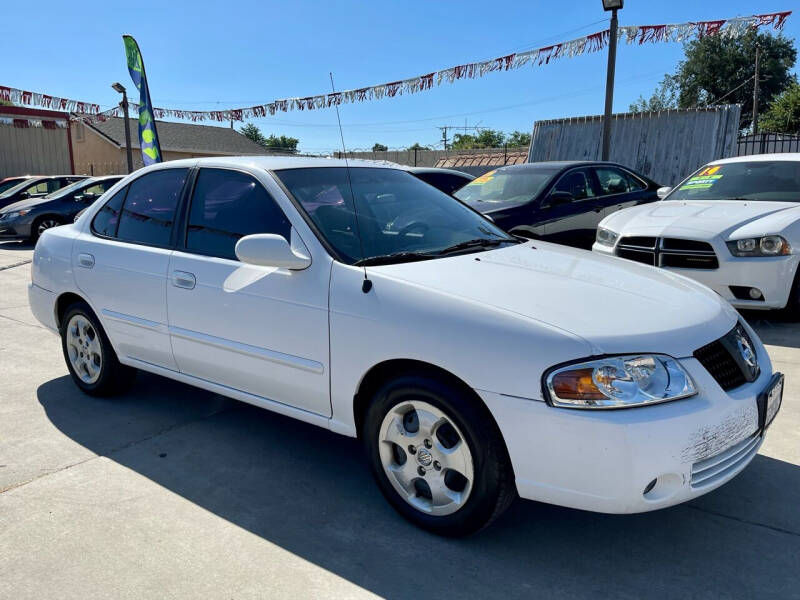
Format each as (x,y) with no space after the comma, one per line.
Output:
(24,196)
(79,198)
(558,198)
(270,250)
(663,192)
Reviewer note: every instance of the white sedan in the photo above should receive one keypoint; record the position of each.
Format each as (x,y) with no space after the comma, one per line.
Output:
(733,225)
(472,365)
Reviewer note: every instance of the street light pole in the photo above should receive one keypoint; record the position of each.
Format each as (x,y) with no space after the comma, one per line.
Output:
(124,104)
(613,6)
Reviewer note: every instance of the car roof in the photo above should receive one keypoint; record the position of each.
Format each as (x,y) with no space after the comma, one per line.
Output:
(782,156)
(274,163)
(423,170)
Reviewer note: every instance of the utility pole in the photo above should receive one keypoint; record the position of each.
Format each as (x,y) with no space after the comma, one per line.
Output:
(612,61)
(755,92)
(118,87)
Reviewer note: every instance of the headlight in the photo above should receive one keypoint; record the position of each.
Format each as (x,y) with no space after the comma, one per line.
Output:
(769,245)
(606,237)
(14,214)
(619,382)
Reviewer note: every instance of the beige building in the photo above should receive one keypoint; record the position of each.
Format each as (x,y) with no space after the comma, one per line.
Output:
(99,148)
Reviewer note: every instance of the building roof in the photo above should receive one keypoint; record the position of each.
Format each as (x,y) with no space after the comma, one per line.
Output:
(182,137)
(489,159)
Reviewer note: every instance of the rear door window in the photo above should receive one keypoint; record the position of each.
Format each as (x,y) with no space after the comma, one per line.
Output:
(227,205)
(149,210)
(107,218)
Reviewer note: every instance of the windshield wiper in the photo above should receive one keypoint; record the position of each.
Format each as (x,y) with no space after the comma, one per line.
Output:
(476,243)
(396,257)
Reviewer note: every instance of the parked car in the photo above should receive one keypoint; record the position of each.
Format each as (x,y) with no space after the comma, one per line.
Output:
(560,202)
(28,219)
(36,187)
(9,182)
(447,180)
(733,225)
(470,364)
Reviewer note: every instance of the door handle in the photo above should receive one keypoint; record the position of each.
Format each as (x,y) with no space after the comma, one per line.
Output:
(86,260)
(182,279)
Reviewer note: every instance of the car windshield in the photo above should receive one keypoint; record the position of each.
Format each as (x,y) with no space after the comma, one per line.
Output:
(400,218)
(7,185)
(776,180)
(72,187)
(19,186)
(516,186)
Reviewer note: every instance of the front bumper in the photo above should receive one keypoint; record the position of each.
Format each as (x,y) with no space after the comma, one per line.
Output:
(14,230)
(773,276)
(603,461)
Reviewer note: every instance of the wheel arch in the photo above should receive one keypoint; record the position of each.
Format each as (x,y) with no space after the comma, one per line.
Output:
(64,301)
(384,371)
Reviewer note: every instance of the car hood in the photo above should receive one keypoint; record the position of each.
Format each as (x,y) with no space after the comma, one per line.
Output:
(23,204)
(491,207)
(617,306)
(704,220)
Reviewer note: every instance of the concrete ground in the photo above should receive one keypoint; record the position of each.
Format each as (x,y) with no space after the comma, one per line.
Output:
(174,492)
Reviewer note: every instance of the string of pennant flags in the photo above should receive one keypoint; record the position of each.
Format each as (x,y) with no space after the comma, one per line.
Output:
(595,42)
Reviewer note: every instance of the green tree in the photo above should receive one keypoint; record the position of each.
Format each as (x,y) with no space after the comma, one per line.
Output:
(416,146)
(519,138)
(783,115)
(283,143)
(664,97)
(715,66)
(485,138)
(379,147)
(253,133)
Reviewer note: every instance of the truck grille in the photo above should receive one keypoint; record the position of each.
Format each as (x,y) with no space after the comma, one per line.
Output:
(668,252)
(722,360)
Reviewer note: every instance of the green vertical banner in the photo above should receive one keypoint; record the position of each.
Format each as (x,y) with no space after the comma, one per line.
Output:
(148,136)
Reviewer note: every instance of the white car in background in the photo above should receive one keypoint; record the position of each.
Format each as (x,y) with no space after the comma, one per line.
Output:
(473,366)
(733,225)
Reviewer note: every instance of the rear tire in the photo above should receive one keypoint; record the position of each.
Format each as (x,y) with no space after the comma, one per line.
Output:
(437,455)
(90,358)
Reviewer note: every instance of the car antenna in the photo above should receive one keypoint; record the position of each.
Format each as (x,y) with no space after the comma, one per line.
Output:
(367,285)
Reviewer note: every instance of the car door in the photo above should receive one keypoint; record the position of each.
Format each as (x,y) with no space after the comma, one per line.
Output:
(620,189)
(260,330)
(571,210)
(120,264)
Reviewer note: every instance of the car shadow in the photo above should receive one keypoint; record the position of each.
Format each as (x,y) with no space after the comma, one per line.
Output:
(13,245)
(310,492)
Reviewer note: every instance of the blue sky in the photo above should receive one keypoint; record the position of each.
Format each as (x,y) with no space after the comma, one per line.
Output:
(207,55)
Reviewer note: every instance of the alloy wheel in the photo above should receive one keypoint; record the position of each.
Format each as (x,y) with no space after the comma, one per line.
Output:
(426,458)
(84,349)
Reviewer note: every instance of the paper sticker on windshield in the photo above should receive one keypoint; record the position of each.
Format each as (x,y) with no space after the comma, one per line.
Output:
(703,180)
(485,178)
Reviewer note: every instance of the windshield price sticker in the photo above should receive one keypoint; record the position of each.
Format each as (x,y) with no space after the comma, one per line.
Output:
(703,180)
(485,178)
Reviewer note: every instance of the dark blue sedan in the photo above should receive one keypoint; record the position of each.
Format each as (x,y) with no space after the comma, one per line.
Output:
(562,202)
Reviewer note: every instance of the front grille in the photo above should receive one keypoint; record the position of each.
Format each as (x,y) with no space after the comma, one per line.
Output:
(723,360)
(716,468)
(668,252)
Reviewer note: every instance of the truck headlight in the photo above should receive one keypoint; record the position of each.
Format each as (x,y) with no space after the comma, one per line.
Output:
(769,245)
(606,237)
(619,382)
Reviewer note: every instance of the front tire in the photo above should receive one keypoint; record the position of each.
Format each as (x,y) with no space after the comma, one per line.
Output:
(90,358)
(437,455)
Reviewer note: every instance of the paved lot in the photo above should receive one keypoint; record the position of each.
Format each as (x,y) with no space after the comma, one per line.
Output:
(175,492)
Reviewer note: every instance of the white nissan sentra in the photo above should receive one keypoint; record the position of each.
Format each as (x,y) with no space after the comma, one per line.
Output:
(733,225)
(474,366)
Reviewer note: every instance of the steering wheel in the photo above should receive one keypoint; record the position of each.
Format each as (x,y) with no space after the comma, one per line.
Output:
(411,226)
